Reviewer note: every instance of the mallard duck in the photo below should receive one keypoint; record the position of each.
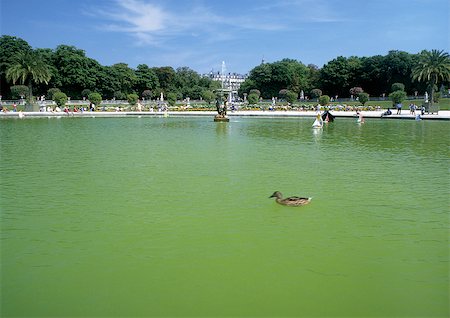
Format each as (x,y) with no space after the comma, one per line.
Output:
(290,201)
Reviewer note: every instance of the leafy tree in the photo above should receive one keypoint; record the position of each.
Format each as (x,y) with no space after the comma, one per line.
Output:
(51,92)
(10,46)
(397,97)
(255,91)
(119,95)
(363,98)
(171,98)
(76,71)
(146,78)
(27,67)
(132,99)
(253,99)
(291,97)
(433,67)
(19,91)
(316,93)
(208,96)
(147,94)
(282,93)
(355,91)
(95,98)
(398,87)
(246,86)
(85,92)
(60,99)
(324,100)
(166,77)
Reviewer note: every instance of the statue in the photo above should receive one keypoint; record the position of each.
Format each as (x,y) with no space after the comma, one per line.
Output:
(221,111)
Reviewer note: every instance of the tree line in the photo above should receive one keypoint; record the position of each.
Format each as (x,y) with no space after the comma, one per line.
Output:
(69,70)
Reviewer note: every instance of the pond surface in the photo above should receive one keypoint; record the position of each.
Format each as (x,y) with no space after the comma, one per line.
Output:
(171,217)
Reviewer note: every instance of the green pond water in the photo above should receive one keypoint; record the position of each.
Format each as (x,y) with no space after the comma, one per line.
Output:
(171,217)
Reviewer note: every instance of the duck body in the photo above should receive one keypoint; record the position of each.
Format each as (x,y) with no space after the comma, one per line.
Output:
(290,201)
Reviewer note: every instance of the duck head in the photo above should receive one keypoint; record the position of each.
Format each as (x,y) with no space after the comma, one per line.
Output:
(276,194)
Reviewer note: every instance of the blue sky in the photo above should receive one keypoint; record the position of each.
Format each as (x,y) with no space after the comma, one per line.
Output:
(201,34)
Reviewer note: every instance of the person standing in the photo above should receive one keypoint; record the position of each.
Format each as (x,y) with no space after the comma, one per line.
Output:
(399,108)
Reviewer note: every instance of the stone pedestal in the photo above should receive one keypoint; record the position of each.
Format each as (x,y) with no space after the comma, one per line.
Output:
(221,118)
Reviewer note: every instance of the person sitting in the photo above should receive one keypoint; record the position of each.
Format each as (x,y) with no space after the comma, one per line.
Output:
(387,113)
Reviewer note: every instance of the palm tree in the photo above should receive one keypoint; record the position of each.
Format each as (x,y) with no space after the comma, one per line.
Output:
(28,68)
(432,67)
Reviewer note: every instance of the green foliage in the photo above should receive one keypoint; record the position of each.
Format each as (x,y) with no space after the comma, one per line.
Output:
(146,79)
(397,97)
(18,91)
(432,67)
(324,100)
(398,87)
(95,98)
(60,99)
(171,98)
(255,91)
(363,98)
(316,93)
(119,95)
(85,92)
(147,94)
(52,92)
(291,97)
(27,67)
(282,93)
(208,96)
(132,99)
(355,91)
(253,99)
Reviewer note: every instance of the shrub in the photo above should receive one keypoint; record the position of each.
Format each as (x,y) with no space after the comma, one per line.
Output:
(397,87)
(132,99)
(282,93)
(171,98)
(85,92)
(355,91)
(95,98)
(324,100)
(147,94)
(119,95)
(60,99)
(255,91)
(291,97)
(316,93)
(208,96)
(253,99)
(363,98)
(397,97)
(19,91)
(51,92)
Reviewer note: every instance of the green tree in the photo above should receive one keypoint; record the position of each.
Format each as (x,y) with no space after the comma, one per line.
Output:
(398,87)
(171,98)
(60,99)
(316,93)
(147,94)
(28,68)
(253,99)
(363,98)
(85,92)
(324,100)
(132,99)
(433,67)
(10,46)
(95,98)
(397,97)
(146,78)
(52,91)
(208,96)
(19,91)
(76,71)
(291,97)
